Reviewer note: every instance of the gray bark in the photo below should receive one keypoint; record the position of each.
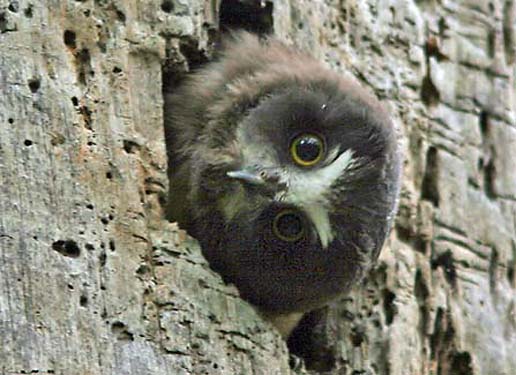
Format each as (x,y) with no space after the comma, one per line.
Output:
(94,281)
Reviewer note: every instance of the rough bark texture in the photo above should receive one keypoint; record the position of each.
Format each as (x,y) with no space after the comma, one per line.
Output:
(93,281)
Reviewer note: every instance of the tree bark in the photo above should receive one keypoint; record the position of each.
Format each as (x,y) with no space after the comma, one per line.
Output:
(94,281)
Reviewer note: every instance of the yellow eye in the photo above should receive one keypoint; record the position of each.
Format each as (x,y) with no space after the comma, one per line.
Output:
(307,149)
(288,226)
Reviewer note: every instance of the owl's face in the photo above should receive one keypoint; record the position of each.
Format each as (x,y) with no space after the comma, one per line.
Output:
(300,196)
(303,153)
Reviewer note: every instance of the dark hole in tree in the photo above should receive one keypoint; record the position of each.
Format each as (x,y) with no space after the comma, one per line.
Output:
(358,336)
(253,16)
(67,248)
(167,6)
(429,93)
(121,331)
(388,306)
(28,12)
(84,60)
(102,258)
(69,39)
(121,16)
(510,273)
(484,123)
(445,261)
(429,189)
(508,35)
(3,23)
(491,43)
(489,179)
(28,142)
(461,364)
(14,6)
(34,85)
(130,146)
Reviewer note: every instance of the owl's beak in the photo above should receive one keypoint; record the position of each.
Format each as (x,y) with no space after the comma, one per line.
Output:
(250,176)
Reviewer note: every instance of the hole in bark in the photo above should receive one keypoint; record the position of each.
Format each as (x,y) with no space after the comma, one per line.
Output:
(109,175)
(491,43)
(445,261)
(461,364)
(28,11)
(508,32)
(489,179)
(28,142)
(10,120)
(75,101)
(493,268)
(389,306)
(117,70)
(112,245)
(67,248)
(102,258)
(121,16)
(489,167)
(83,300)
(420,288)
(84,62)
(510,266)
(89,247)
(69,39)
(484,123)
(121,332)
(414,239)
(421,292)
(311,342)
(429,93)
(358,336)
(253,16)
(143,269)
(130,146)
(14,6)
(34,85)
(167,6)
(429,188)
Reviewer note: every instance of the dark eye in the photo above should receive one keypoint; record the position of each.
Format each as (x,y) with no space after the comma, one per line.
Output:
(288,226)
(307,149)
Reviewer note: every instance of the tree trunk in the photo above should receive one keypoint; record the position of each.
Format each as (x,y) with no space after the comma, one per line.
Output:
(94,281)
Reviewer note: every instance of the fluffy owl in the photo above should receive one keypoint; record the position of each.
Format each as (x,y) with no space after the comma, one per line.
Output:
(287,173)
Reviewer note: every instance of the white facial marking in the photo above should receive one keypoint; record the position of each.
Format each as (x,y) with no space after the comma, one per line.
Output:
(320,218)
(307,190)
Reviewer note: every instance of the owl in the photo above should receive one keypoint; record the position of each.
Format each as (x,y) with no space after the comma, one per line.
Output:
(287,173)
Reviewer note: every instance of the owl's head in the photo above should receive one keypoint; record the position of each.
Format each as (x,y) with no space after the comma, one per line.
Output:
(294,173)
(304,156)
